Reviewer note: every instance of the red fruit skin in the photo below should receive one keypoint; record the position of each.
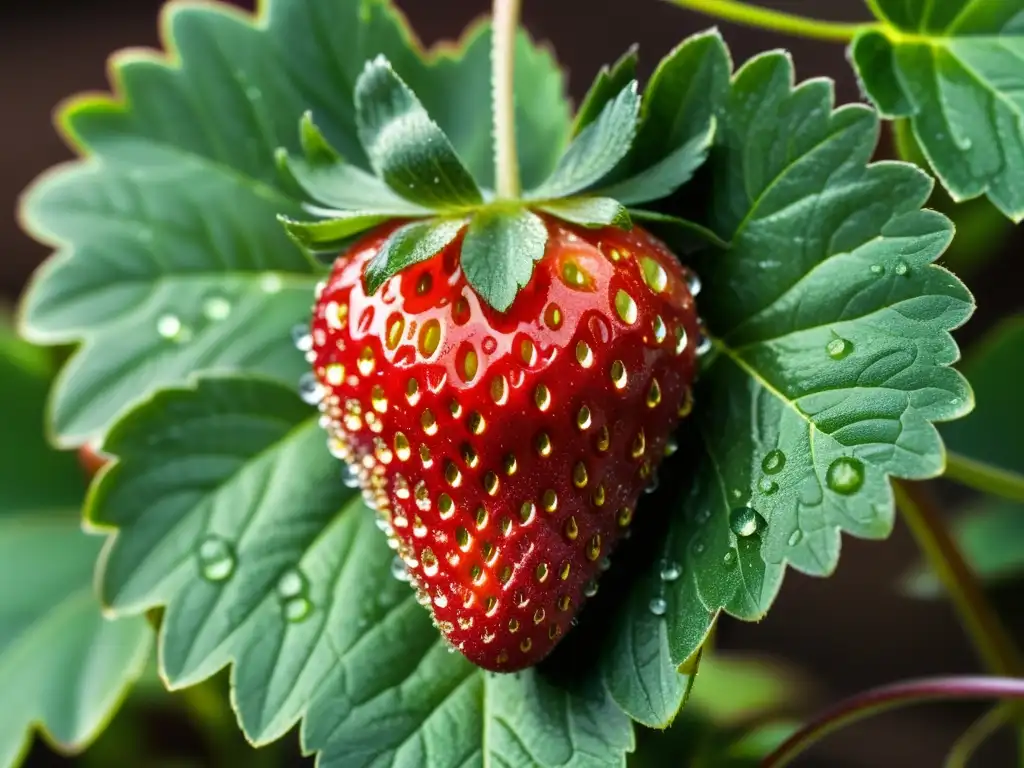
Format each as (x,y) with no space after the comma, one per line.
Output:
(581,381)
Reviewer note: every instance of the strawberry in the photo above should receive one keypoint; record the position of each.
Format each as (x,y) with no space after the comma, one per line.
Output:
(505,451)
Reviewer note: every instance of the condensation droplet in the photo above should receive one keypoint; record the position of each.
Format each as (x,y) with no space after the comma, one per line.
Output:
(399,570)
(657,606)
(839,349)
(350,476)
(170,327)
(216,558)
(693,283)
(745,521)
(901,268)
(845,475)
(218,308)
(669,570)
(271,283)
(302,338)
(767,486)
(773,462)
(703,345)
(795,538)
(310,390)
(729,558)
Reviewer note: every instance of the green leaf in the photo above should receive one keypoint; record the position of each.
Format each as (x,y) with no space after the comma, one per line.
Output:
(326,235)
(989,535)
(325,177)
(677,122)
(410,245)
(606,86)
(68,666)
(954,67)
(832,349)
(171,218)
(499,252)
(667,175)
(590,211)
(597,150)
(406,148)
(992,434)
(682,236)
(230,512)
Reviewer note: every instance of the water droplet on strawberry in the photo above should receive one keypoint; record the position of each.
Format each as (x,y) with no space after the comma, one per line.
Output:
(302,338)
(399,571)
(693,283)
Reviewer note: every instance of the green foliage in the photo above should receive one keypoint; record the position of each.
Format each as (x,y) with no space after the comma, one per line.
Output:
(832,347)
(607,85)
(265,559)
(830,362)
(954,67)
(64,665)
(179,209)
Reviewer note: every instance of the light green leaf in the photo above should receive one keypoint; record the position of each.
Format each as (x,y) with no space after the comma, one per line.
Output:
(67,666)
(406,148)
(677,121)
(590,211)
(327,234)
(410,245)
(992,433)
(597,150)
(832,349)
(607,85)
(171,219)
(499,253)
(665,176)
(990,535)
(956,69)
(682,236)
(231,513)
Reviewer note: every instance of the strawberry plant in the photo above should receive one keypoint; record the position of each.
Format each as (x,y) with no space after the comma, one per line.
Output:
(451,419)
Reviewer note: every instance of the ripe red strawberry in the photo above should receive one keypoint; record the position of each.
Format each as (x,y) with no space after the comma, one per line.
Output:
(507,451)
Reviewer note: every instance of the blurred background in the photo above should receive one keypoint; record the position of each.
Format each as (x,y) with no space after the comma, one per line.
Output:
(846,633)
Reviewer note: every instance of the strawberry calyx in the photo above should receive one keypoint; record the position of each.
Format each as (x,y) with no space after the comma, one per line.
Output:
(417,179)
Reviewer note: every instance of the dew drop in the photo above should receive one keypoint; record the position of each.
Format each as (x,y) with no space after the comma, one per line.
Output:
(350,476)
(877,269)
(218,308)
(216,559)
(767,486)
(773,462)
(670,570)
(795,538)
(301,337)
(901,268)
(297,609)
(590,588)
(697,547)
(845,475)
(292,584)
(658,606)
(399,570)
(729,558)
(271,283)
(310,390)
(693,283)
(170,327)
(745,521)
(839,349)
(703,345)
(605,563)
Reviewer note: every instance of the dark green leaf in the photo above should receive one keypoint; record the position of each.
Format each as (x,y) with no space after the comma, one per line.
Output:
(833,348)
(325,235)
(992,433)
(231,513)
(174,214)
(606,86)
(665,176)
(406,148)
(410,245)
(597,150)
(590,211)
(499,252)
(954,67)
(677,122)
(990,536)
(67,665)
(682,236)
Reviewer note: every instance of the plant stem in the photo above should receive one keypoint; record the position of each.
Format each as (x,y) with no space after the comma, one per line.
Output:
(888,697)
(503,55)
(985,477)
(980,730)
(777,21)
(981,622)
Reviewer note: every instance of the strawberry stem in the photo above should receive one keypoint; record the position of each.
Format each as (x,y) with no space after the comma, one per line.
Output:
(776,21)
(503,53)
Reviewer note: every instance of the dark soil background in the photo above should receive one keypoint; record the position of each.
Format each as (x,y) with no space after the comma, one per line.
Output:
(851,631)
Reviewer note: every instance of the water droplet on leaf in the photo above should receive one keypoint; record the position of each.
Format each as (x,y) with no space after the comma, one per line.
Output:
(745,521)
(670,571)
(773,462)
(658,606)
(216,558)
(845,475)
(839,349)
